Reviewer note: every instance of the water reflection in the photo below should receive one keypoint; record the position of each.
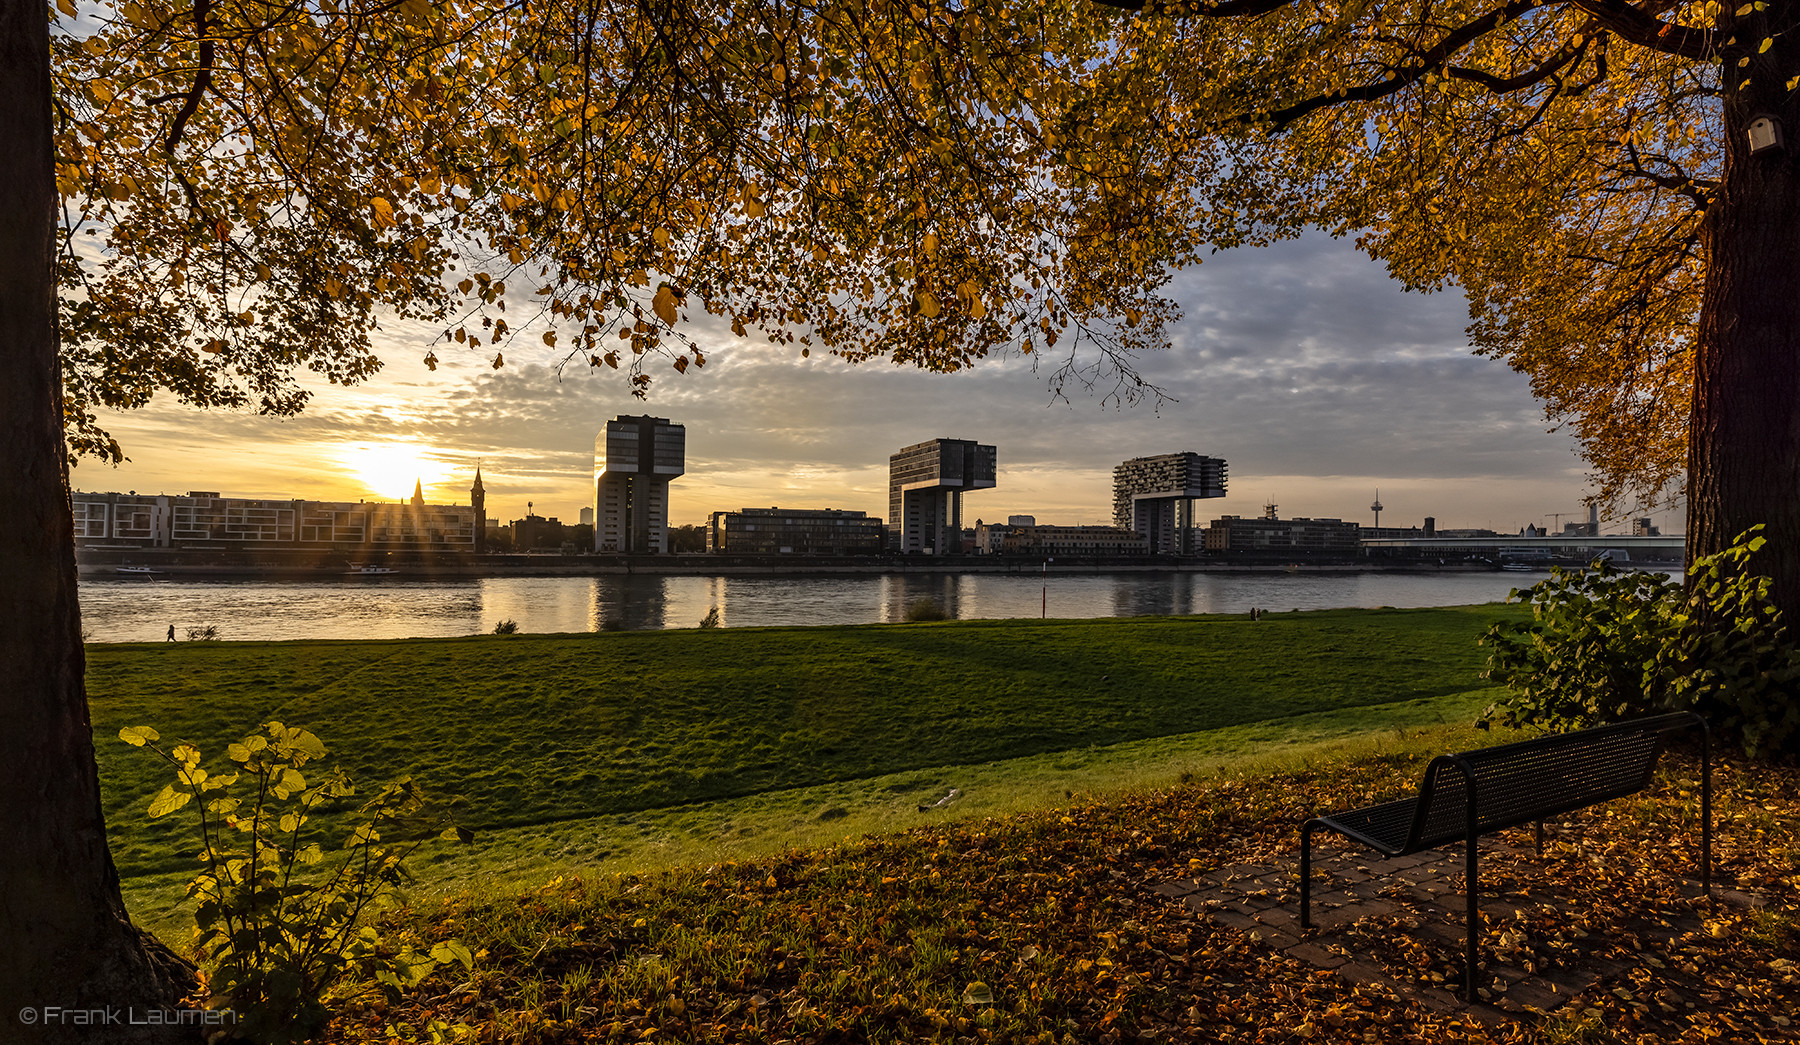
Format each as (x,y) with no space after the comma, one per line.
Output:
(927,594)
(139,611)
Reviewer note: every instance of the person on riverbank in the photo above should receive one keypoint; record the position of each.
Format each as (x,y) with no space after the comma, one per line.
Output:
(171,633)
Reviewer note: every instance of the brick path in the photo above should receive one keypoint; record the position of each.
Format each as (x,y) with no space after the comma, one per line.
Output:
(1422,895)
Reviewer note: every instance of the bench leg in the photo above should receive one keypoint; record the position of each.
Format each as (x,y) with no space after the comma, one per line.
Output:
(1306,831)
(1474,917)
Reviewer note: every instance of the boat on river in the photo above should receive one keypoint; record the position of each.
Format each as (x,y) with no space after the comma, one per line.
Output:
(370,570)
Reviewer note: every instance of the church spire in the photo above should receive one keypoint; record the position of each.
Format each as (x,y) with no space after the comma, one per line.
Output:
(418,500)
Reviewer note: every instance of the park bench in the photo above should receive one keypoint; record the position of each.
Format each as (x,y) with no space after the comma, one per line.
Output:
(1464,796)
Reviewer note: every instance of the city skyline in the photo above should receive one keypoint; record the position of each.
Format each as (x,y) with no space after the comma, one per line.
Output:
(1302,364)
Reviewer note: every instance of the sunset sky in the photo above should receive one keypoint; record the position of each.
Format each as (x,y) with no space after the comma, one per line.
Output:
(1302,365)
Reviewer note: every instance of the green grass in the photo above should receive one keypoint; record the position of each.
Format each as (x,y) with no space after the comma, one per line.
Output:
(646,746)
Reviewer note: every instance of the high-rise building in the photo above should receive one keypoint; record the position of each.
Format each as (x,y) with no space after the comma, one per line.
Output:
(634,460)
(926,482)
(1155,497)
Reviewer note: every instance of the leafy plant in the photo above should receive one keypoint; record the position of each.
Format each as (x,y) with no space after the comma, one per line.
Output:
(279,921)
(711,620)
(206,633)
(1606,644)
(506,627)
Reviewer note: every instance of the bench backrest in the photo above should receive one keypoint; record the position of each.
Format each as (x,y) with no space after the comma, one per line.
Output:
(1537,779)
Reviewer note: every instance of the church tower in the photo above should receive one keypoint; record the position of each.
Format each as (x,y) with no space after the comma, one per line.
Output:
(418,501)
(478,501)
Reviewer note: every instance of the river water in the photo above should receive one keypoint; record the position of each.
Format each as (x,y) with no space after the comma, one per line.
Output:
(141,610)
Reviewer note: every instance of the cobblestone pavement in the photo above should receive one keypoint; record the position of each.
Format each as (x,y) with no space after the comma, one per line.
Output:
(1421,895)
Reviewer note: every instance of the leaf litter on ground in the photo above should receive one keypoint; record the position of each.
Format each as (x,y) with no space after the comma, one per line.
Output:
(1043,928)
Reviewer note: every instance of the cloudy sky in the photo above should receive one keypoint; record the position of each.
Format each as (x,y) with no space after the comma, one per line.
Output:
(1302,365)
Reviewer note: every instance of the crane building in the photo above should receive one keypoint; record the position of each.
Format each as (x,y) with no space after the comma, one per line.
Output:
(926,482)
(634,460)
(1155,497)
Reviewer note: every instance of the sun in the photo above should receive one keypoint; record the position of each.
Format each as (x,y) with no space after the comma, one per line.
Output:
(389,470)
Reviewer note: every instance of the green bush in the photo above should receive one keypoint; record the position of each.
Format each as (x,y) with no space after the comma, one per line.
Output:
(506,627)
(278,920)
(711,620)
(1607,644)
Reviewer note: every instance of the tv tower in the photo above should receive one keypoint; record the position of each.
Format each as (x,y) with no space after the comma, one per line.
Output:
(1376,508)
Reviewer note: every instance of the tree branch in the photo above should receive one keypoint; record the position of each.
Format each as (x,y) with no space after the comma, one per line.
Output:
(1634,25)
(1404,77)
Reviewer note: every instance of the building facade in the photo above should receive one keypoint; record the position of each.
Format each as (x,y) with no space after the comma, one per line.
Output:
(1155,496)
(1270,534)
(203,519)
(634,461)
(795,531)
(1072,540)
(926,482)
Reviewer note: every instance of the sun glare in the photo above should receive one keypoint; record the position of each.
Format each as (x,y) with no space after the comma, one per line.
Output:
(390,470)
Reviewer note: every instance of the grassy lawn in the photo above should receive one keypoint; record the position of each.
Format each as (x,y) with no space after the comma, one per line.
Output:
(635,731)
(737,836)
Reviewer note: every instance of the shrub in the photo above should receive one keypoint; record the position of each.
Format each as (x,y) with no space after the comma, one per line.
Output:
(208,633)
(506,627)
(278,921)
(1607,644)
(711,620)
(926,609)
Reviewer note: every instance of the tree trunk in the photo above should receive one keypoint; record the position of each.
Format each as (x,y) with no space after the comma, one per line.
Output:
(65,940)
(1744,435)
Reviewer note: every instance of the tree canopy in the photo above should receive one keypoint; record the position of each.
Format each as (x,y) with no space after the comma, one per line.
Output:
(252,186)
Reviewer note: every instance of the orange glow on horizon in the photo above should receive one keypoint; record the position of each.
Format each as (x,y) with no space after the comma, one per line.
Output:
(389,470)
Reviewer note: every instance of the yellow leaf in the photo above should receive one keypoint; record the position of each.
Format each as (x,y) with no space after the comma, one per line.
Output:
(384,212)
(661,236)
(931,243)
(1768,42)
(664,304)
(67,7)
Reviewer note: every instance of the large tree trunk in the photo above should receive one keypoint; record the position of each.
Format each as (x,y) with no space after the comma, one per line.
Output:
(1744,436)
(65,940)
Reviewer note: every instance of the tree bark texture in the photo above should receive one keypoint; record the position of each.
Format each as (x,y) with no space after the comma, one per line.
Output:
(1744,434)
(65,939)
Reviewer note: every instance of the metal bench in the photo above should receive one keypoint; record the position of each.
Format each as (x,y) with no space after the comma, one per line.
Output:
(1464,796)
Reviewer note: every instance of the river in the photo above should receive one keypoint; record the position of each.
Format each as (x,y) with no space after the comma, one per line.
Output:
(142,609)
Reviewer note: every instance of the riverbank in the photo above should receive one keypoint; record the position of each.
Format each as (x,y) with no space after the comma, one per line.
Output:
(150,563)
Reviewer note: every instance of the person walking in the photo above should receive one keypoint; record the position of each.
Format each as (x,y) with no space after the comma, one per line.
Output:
(171,633)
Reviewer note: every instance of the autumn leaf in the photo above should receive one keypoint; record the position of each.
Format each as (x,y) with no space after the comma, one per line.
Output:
(664,304)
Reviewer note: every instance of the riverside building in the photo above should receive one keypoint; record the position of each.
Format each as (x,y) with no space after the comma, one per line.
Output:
(206,521)
(634,461)
(794,531)
(1271,534)
(1155,496)
(1071,540)
(926,482)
